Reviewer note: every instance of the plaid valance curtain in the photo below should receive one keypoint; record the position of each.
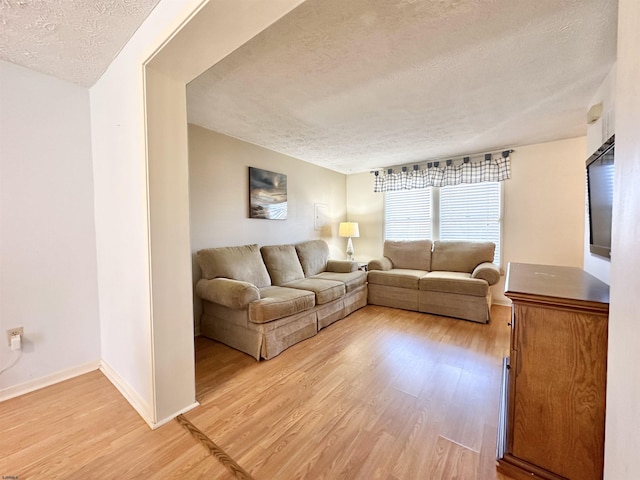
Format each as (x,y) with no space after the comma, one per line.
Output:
(441,174)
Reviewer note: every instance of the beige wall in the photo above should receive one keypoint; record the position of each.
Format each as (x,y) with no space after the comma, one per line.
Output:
(543,207)
(544,204)
(622,441)
(219,197)
(367,208)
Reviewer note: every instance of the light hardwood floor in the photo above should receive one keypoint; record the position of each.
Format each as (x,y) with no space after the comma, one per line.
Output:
(383,393)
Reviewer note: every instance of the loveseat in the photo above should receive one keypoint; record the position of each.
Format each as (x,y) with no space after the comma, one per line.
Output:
(263,300)
(450,278)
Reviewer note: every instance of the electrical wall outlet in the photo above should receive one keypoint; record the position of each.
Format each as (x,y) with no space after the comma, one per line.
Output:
(14,331)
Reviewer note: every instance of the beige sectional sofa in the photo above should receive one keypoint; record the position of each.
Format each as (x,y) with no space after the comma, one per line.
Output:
(443,278)
(262,301)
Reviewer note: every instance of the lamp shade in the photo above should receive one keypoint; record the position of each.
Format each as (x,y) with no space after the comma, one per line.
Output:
(349,229)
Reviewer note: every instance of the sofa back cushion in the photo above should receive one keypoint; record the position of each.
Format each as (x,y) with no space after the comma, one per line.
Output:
(460,256)
(412,254)
(313,256)
(242,263)
(282,263)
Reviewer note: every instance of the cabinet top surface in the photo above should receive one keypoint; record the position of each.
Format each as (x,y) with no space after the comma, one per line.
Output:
(570,283)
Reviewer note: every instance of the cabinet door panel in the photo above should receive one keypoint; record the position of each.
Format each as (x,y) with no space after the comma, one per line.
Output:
(558,402)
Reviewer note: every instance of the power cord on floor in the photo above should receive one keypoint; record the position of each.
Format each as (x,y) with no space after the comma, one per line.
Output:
(12,364)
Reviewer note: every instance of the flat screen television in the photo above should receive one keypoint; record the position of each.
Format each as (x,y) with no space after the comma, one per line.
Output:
(600,169)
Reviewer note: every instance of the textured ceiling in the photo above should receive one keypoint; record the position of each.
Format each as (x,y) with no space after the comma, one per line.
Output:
(354,85)
(359,84)
(74,40)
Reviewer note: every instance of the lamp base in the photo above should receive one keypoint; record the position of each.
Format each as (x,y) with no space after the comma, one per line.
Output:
(349,249)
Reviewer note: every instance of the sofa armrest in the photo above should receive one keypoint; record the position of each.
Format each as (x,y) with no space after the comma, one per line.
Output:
(382,263)
(227,292)
(487,271)
(341,266)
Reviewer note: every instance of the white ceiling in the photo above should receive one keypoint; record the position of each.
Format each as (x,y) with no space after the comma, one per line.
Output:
(359,84)
(74,40)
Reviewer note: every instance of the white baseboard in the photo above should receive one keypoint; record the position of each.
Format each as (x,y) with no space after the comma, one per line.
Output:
(502,303)
(47,380)
(136,401)
(130,395)
(174,415)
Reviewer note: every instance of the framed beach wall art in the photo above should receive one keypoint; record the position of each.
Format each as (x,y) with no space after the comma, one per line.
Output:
(267,194)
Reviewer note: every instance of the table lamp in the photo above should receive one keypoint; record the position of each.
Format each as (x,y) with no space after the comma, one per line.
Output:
(349,229)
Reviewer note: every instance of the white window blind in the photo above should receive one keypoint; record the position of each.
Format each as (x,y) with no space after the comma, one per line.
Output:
(471,212)
(460,212)
(407,214)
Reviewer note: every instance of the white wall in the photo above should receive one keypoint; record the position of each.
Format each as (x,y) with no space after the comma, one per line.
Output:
(600,130)
(622,440)
(47,235)
(137,344)
(597,133)
(219,197)
(543,213)
(172,327)
(120,173)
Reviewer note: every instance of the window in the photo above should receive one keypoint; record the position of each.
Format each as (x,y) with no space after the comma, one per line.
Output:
(460,212)
(407,214)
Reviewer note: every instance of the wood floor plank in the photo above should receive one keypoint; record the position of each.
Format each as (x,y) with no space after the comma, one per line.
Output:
(390,374)
(382,394)
(83,428)
(451,460)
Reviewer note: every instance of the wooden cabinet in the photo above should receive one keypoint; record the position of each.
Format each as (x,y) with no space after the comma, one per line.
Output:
(553,402)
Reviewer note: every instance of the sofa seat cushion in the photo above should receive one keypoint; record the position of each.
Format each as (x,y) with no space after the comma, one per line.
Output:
(278,302)
(351,280)
(454,282)
(397,277)
(325,290)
